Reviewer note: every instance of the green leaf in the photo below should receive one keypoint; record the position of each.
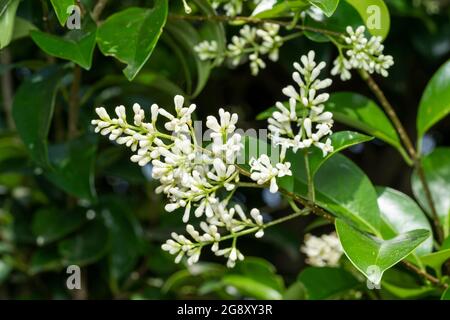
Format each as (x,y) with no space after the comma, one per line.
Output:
(407,293)
(7,22)
(403,214)
(61,9)
(77,45)
(326,283)
(357,201)
(45,259)
(276,8)
(131,35)
(296,291)
(446,295)
(375,15)
(251,288)
(87,246)
(435,102)
(33,111)
(327,6)
(22,28)
(73,166)
(359,112)
(261,271)
(435,260)
(51,224)
(340,140)
(345,15)
(125,242)
(5,270)
(437,172)
(373,256)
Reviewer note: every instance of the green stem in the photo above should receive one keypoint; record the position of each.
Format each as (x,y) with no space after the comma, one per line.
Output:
(311,191)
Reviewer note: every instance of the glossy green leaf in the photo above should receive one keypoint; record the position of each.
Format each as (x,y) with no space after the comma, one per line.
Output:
(356,202)
(33,111)
(45,259)
(5,270)
(261,271)
(276,8)
(22,28)
(51,224)
(402,214)
(359,112)
(340,140)
(327,6)
(375,14)
(407,293)
(87,246)
(62,11)
(373,256)
(296,291)
(7,22)
(435,102)
(131,35)
(125,244)
(77,45)
(251,288)
(73,166)
(326,283)
(345,15)
(437,172)
(446,295)
(435,260)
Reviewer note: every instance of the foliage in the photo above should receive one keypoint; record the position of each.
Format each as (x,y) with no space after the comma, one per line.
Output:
(68,197)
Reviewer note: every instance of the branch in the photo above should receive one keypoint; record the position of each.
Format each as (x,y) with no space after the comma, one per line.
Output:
(7,90)
(424,274)
(373,86)
(74,102)
(98,9)
(252,20)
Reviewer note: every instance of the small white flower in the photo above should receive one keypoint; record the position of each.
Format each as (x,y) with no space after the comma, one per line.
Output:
(322,251)
(262,171)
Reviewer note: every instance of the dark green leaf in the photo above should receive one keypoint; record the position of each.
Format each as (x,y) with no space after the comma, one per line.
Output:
(87,246)
(77,45)
(45,259)
(446,295)
(435,102)
(402,214)
(437,172)
(131,35)
(73,166)
(51,224)
(327,6)
(373,256)
(61,8)
(33,111)
(326,283)
(125,243)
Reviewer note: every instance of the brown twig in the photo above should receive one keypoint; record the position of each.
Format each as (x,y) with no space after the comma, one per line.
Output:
(373,86)
(7,90)
(74,102)
(424,274)
(98,9)
(251,20)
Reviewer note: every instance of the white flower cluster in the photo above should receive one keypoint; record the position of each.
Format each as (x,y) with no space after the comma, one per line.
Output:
(251,45)
(262,171)
(363,54)
(233,219)
(322,251)
(303,122)
(232,8)
(189,175)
